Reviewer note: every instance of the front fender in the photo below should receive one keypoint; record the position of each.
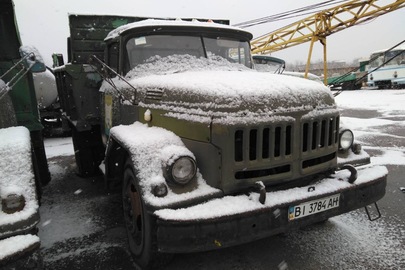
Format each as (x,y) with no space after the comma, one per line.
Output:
(149,148)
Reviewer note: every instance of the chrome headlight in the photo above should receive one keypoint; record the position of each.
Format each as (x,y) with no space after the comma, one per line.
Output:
(346,139)
(182,170)
(13,203)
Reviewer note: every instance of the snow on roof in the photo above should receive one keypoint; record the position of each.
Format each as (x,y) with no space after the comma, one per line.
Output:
(16,173)
(178,23)
(399,48)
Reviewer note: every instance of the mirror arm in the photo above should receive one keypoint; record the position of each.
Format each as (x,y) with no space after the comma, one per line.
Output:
(17,77)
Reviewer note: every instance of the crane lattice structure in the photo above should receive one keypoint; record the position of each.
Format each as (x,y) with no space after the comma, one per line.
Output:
(322,24)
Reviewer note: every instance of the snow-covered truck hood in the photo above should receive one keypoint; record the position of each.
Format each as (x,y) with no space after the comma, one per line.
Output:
(216,85)
(232,91)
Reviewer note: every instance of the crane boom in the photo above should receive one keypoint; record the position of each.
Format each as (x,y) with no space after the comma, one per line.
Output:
(322,24)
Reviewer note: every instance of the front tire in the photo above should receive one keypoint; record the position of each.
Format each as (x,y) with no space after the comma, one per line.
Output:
(140,225)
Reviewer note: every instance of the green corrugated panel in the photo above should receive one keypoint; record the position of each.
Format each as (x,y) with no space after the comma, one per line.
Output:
(23,93)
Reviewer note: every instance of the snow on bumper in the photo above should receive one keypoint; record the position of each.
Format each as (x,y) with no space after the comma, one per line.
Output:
(233,220)
(14,242)
(349,157)
(16,246)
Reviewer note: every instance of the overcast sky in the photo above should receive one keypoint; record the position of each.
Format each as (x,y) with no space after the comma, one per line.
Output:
(44,23)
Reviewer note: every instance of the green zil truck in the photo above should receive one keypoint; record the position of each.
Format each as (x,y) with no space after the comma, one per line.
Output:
(208,152)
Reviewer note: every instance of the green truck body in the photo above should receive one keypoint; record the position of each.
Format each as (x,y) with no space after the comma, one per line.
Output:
(182,147)
(19,115)
(351,81)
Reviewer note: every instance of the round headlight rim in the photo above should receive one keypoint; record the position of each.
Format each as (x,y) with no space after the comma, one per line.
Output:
(341,133)
(171,178)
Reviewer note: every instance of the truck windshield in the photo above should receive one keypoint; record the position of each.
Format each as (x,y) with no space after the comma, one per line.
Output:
(140,49)
(398,58)
(268,64)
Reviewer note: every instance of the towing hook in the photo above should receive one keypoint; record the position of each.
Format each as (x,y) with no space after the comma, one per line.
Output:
(353,172)
(262,190)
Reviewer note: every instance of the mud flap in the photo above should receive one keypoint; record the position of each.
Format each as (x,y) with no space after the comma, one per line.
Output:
(373,212)
(89,150)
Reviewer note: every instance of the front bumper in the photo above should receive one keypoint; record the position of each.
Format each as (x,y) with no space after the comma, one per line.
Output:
(15,238)
(16,247)
(398,83)
(234,220)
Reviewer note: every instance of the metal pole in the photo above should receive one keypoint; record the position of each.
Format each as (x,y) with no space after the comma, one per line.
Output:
(311,46)
(325,62)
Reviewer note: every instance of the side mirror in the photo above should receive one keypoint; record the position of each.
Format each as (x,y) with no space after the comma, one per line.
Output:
(57,60)
(32,59)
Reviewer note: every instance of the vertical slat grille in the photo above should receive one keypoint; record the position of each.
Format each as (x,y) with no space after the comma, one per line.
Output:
(268,151)
(330,139)
(253,144)
(265,143)
(336,128)
(324,131)
(315,135)
(288,141)
(319,134)
(239,145)
(278,144)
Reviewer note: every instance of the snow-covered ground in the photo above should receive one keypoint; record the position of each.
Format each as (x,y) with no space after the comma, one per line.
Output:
(387,102)
(389,109)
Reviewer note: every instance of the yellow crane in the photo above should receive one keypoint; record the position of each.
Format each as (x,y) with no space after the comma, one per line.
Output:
(322,24)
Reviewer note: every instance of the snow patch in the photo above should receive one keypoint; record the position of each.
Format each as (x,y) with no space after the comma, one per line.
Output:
(389,157)
(16,244)
(384,101)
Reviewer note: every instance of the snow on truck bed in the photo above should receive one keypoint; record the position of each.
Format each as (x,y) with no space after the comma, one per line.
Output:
(177,23)
(16,172)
